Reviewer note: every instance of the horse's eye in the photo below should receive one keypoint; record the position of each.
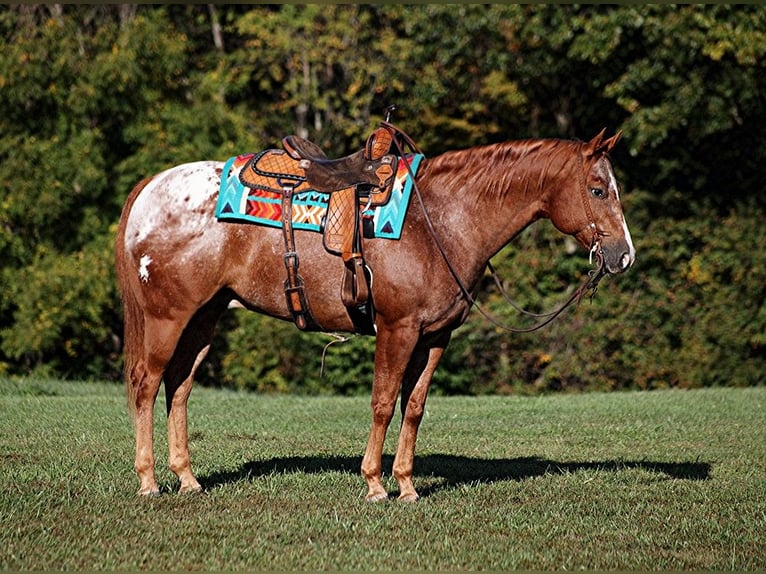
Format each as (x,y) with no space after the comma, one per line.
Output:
(598,192)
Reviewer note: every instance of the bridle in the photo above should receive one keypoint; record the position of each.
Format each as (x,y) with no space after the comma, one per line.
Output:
(590,283)
(595,245)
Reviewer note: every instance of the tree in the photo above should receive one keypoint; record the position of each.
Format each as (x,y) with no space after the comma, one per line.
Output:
(95,98)
(691,84)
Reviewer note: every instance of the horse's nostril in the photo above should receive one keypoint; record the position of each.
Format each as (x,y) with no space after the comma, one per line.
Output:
(625,261)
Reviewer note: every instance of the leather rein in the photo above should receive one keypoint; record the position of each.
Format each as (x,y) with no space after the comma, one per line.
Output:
(590,283)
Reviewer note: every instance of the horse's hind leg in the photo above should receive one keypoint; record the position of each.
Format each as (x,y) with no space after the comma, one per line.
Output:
(191,350)
(159,341)
(145,383)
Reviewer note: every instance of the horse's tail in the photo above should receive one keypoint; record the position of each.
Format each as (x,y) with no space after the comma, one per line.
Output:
(133,315)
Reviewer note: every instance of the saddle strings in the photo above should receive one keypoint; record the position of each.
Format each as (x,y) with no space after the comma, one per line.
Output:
(338,338)
(591,282)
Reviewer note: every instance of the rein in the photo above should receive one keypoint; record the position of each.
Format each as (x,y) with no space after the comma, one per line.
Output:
(590,284)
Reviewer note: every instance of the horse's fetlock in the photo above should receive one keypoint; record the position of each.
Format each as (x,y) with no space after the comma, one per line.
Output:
(371,473)
(401,475)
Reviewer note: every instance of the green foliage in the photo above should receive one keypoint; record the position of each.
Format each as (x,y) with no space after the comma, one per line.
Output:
(95,98)
(64,321)
(267,355)
(693,101)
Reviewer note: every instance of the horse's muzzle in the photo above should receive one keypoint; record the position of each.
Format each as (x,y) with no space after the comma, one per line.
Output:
(620,262)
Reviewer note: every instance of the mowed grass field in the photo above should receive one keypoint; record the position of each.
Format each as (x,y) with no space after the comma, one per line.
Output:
(655,480)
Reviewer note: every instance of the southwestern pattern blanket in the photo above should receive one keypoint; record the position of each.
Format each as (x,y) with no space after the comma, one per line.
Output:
(239,203)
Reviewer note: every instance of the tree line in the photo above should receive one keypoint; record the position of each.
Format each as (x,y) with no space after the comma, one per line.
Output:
(95,98)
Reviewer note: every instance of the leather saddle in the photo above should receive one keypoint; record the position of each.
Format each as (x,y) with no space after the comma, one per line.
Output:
(364,178)
(371,167)
(305,166)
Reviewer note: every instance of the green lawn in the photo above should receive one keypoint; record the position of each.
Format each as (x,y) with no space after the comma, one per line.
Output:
(656,480)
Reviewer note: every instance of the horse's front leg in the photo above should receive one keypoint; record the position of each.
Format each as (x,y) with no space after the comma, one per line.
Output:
(392,353)
(417,380)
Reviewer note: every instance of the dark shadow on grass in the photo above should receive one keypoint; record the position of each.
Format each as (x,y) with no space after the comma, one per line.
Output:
(456,470)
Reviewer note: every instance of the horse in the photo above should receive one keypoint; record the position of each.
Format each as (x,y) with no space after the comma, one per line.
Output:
(179,269)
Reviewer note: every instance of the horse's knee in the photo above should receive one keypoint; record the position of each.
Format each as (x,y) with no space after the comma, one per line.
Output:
(383,411)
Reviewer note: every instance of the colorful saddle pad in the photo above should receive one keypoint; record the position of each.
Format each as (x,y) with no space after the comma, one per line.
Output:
(239,203)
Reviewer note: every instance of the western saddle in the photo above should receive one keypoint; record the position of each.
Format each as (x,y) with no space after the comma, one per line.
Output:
(354,183)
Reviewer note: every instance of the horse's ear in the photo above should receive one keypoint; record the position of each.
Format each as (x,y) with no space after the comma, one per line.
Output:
(608,144)
(599,146)
(596,141)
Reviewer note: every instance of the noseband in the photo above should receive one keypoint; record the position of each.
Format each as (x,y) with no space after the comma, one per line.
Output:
(590,284)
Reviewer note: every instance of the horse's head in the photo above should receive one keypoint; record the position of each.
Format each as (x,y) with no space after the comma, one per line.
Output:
(588,205)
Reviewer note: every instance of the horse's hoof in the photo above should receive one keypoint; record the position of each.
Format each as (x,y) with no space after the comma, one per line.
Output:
(191,489)
(410,498)
(377,497)
(149,492)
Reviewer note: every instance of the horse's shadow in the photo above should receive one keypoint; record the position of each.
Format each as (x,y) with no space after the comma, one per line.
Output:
(455,470)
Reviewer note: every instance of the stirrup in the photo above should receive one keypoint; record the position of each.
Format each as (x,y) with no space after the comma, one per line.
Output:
(355,290)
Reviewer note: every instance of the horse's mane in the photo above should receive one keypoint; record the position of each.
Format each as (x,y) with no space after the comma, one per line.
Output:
(493,166)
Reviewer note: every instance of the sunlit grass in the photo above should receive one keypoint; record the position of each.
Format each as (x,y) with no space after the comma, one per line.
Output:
(660,480)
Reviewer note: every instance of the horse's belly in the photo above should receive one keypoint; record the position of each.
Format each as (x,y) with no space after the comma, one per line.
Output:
(258,275)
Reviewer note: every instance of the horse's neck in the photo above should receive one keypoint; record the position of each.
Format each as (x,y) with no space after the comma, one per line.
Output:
(487,195)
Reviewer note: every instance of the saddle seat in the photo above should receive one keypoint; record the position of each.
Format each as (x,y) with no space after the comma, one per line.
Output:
(370,166)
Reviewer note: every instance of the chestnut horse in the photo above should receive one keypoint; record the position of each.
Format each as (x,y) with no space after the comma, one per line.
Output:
(179,269)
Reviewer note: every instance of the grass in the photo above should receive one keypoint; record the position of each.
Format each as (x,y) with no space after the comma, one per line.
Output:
(661,480)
